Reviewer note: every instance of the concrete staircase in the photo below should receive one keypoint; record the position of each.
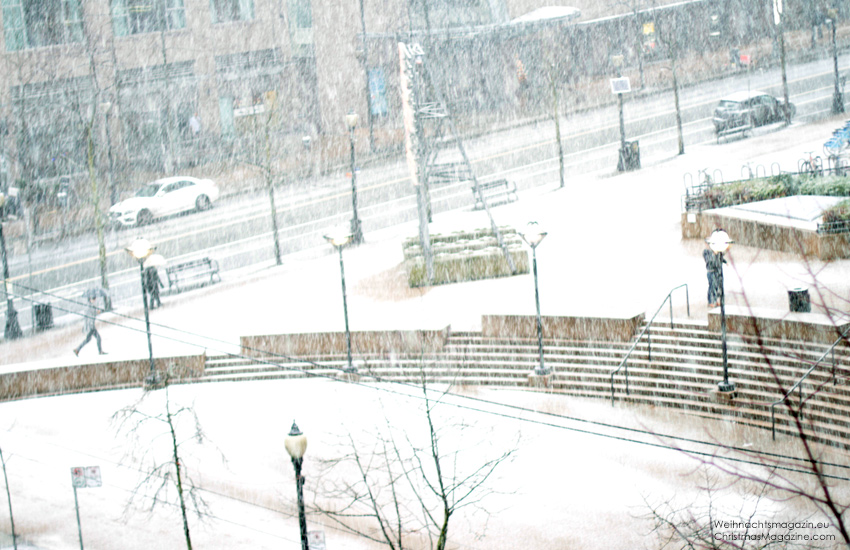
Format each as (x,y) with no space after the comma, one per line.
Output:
(683,372)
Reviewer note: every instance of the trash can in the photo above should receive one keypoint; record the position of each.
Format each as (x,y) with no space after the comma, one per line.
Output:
(629,156)
(43,316)
(798,300)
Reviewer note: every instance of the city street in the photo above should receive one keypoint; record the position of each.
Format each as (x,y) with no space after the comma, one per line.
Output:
(237,232)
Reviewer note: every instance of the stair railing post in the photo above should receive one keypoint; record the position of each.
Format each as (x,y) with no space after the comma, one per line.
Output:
(834,380)
(670,298)
(773,420)
(649,343)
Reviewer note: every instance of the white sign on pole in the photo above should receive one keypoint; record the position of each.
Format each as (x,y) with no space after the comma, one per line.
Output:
(316,540)
(83,477)
(620,85)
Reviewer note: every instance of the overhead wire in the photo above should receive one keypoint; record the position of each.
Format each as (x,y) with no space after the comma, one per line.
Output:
(377,378)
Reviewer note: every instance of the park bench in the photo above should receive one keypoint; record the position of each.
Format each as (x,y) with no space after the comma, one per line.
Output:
(741,125)
(192,271)
(492,190)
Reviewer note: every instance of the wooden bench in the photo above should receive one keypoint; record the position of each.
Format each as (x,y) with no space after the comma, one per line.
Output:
(190,271)
(494,189)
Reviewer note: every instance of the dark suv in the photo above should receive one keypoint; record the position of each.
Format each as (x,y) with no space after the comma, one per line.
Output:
(743,110)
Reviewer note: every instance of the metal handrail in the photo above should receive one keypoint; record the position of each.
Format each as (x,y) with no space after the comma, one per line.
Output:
(624,363)
(799,384)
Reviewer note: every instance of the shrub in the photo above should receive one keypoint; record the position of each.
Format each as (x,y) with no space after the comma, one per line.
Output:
(838,213)
(783,185)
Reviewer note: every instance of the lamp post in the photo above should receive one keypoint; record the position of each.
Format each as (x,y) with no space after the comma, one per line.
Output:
(140,249)
(13,328)
(356,229)
(296,445)
(339,243)
(618,61)
(837,96)
(719,242)
(533,236)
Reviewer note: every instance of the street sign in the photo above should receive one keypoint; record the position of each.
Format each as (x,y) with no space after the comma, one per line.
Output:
(620,85)
(316,540)
(83,477)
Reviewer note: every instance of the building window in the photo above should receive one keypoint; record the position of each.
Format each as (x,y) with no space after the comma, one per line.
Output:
(141,16)
(225,11)
(300,14)
(36,23)
(301,28)
(453,13)
(50,132)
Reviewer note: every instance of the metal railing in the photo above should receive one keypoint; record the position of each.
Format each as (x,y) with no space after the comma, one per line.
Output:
(799,384)
(695,200)
(624,364)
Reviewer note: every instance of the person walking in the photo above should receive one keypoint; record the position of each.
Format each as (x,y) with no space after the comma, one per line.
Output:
(152,284)
(91,313)
(713,267)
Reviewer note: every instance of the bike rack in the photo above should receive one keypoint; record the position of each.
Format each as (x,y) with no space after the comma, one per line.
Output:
(775,169)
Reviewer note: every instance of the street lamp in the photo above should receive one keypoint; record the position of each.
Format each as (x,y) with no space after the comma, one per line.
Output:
(356,229)
(617,61)
(140,249)
(533,236)
(339,243)
(719,242)
(837,96)
(296,445)
(13,328)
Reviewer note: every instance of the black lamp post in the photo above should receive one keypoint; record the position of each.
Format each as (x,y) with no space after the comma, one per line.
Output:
(13,328)
(296,445)
(533,236)
(140,250)
(356,229)
(618,61)
(719,242)
(339,243)
(837,96)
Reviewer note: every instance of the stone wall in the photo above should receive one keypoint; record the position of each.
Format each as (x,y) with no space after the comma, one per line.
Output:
(15,384)
(605,329)
(699,225)
(362,342)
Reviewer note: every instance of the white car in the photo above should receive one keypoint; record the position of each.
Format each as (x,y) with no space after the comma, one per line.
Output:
(164,197)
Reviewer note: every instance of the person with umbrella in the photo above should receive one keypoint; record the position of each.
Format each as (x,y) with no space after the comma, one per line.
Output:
(91,313)
(152,280)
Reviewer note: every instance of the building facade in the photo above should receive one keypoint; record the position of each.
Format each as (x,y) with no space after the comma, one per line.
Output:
(163,82)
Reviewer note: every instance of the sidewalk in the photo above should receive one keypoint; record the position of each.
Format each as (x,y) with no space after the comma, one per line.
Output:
(614,245)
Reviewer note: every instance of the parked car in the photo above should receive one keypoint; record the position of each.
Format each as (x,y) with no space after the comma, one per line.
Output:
(164,197)
(743,110)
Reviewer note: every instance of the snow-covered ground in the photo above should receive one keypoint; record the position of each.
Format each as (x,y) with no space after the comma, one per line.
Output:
(562,489)
(614,245)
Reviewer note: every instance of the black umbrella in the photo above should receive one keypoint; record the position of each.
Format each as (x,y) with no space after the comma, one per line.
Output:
(95,292)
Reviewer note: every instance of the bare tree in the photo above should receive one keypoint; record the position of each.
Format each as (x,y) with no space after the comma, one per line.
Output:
(399,488)
(260,152)
(165,477)
(673,40)
(716,522)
